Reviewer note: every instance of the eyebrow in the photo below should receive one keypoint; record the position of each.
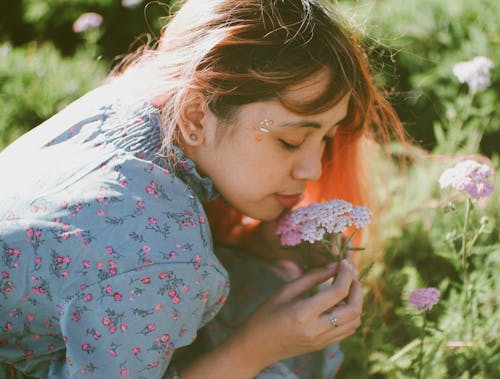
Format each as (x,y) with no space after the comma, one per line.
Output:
(307,124)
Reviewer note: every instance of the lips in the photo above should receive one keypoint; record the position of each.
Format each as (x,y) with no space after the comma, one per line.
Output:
(288,201)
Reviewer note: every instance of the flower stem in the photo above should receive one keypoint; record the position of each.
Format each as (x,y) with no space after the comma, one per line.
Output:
(464,255)
(421,352)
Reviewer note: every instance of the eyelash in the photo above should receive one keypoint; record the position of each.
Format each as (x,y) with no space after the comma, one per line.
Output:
(288,146)
(291,147)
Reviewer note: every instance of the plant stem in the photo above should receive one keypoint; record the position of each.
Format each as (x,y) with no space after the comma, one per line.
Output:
(463,253)
(421,353)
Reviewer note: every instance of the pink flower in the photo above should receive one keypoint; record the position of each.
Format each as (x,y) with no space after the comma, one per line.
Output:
(312,222)
(424,298)
(136,350)
(151,327)
(86,21)
(469,177)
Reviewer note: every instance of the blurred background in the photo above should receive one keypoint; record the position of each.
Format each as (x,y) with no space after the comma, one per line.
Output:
(53,51)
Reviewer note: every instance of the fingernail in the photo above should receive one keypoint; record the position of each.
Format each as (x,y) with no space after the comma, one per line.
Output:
(331,266)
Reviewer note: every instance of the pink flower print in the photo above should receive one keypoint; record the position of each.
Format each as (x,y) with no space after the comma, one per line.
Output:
(30,317)
(123,183)
(182,332)
(162,275)
(172,255)
(97,335)
(76,316)
(112,329)
(99,265)
(197,257)
(9,325)
(153,364)
(146,249)
(86,347)
(38,260)
(146,280)
(5,275)
(29,233)
(151,327)
(78,232)
(166,172)
(124,372)
(140,204)
(201,218)
(136,350)
(165,338)
(172,293)
(86,264)
(28,353)
(152,220)
(63,205)
(109,289)
(158,307)
(123,327)
(106,321)
(112,271)
(51,347)
(109,250)
(88,297)
(118,296)
(101,213)
(112,352)
(65,235)
(185,288)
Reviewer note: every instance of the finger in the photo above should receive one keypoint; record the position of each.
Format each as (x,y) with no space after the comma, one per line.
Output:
(345,313)
(305,282)
(337,333)
(332,295)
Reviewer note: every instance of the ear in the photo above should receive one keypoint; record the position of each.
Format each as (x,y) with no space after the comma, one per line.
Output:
(191,122)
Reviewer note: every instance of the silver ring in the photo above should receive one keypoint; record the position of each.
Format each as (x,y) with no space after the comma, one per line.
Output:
(333,320)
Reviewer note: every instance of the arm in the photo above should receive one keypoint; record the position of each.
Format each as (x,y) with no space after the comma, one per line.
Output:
(287,325)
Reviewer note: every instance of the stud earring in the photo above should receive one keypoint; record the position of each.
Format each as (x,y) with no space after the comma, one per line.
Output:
(193,137)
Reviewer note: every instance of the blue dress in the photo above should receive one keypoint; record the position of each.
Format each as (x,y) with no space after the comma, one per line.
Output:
(107,265)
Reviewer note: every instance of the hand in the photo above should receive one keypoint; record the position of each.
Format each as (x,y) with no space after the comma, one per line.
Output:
(288,324)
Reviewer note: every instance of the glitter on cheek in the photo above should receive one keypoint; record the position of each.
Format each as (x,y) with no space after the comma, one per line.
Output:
(261,129)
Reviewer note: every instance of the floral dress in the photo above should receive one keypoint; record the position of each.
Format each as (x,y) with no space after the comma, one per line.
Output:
(106,259)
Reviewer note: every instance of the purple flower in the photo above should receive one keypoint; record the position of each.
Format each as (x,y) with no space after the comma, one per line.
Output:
(312,222)
(476,73)
(469,177)
(424,298)
(86,21)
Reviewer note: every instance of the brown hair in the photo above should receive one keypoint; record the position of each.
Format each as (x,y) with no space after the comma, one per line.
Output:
(238,52)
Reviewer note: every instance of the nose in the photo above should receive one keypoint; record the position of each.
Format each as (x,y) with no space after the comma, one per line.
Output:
(308,166)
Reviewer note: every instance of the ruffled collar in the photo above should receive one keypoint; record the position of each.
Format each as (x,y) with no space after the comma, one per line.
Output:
(185,169)
(137,128)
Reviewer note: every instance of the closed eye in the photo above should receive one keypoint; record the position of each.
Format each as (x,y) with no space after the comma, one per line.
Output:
(288,146)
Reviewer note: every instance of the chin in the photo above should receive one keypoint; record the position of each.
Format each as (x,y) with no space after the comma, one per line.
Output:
(265,214)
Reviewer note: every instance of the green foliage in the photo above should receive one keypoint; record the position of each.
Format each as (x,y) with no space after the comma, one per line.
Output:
(36,82)
(416,44)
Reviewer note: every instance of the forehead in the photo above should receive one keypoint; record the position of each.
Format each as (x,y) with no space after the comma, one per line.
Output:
(308,89)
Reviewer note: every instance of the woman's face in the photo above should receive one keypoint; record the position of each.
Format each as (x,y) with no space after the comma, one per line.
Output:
(262,172)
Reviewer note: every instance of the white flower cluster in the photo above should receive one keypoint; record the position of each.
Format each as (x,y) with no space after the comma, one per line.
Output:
(469,177)
(476,73)
(312,222)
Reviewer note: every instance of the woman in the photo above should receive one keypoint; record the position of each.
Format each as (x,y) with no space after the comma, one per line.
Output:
(107,250)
